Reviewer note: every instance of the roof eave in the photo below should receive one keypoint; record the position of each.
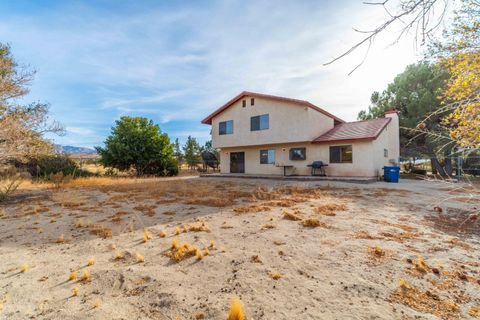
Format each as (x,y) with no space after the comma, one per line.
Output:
(344,140)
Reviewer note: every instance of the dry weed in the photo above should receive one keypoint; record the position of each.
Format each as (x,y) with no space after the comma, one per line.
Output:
(291,215)
(61,239)
(256,259)
(119,255)
(179,253)
(275,275)
(140,258)
(97,303)
(75,291)
(474,311)
(73,276)
(162,234)
(236,310)
(86,276)
(91,262)
(198,227)
(24,268)
(146,235)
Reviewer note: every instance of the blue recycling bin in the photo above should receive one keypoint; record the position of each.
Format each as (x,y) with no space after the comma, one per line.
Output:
(391,174)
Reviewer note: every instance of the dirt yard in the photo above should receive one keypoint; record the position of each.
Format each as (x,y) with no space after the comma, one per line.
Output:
(182,248)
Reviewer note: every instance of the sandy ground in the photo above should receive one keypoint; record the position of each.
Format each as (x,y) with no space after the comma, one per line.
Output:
(336,251)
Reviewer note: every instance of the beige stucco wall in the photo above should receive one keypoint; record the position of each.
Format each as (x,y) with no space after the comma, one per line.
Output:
(287,123)
(389,139)
(364,163)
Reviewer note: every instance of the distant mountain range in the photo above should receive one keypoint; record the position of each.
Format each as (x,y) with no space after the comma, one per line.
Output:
(74,150)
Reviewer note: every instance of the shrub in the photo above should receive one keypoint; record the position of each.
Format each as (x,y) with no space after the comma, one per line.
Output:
(46,167)
(9,183)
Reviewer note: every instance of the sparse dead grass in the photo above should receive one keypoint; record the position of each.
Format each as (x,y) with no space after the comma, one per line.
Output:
(101,231)
(330,209)
(294,216)
(425,301)
(251,209)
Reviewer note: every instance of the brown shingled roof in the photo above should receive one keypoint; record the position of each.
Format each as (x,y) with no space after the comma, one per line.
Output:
(354,131)
(208,120)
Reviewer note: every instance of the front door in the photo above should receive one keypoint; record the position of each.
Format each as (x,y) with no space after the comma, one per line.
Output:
(237,162)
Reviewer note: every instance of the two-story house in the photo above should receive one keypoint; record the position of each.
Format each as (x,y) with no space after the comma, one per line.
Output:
(264,134)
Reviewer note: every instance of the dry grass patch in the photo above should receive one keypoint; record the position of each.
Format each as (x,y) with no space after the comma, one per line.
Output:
(330,209)
(148,210)
(294,216)
(199,227)
(362,234)
(313,223)
(268,226)
(101,231)
(179,252)
(251,209)
(399,236)
(425,301)
(275,275)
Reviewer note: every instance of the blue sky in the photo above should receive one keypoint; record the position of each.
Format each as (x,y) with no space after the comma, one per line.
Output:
(175,62)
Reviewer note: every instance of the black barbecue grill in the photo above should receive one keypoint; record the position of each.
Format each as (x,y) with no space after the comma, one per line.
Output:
(318,165)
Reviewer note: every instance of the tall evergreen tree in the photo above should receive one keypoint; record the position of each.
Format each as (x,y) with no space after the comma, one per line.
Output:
(192,152)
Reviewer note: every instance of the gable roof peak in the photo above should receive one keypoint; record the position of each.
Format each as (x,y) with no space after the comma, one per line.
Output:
(208,120)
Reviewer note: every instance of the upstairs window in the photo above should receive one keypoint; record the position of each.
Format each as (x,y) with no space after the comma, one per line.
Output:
(225,127)
(298,154)
(341,154)
(252,101)
(267,156)
(259,122)
(244,103)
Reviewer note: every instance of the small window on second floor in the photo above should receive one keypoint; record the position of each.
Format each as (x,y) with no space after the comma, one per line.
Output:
(225,127)
(252,101)
(385,153)
(244,103)
(259,122)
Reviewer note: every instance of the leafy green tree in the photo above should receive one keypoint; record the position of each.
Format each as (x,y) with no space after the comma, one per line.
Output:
(138,143)
(177,151)
(416,94)
(192,151)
